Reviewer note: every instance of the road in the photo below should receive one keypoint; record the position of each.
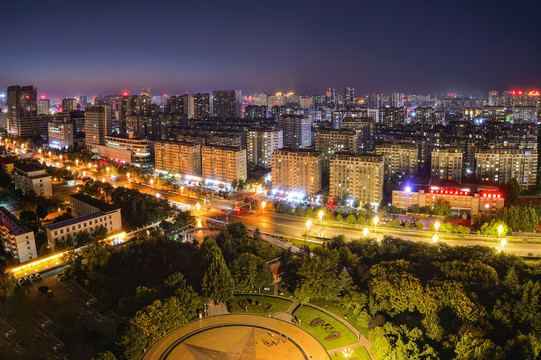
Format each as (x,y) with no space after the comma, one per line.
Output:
(277,224)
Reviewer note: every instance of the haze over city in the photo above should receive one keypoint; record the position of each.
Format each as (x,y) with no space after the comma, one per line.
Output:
(101,47)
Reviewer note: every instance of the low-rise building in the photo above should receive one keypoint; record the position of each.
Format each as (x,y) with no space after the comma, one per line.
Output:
(357,177)
(464,201)
(16,238)
(91,214)
(6,166)
(130,150)
(223,163)
(297,171)
(30,177)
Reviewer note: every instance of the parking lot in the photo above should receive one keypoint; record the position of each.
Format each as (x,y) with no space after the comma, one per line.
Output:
(68,324)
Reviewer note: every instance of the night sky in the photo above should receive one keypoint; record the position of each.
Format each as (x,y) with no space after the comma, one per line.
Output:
(71,48)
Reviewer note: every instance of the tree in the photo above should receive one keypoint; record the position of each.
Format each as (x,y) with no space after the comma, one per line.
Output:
(442,208)
(317,277)
(97,257)
(105,355)
(351,219)
(511,192)
(419,225)
(29,218)
(7,287)
(251,273)
(41,211)
(217,284)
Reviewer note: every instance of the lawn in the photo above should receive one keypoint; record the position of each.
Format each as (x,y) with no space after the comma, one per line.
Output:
(336,309)
(358,353)
(256,304)
(307,314)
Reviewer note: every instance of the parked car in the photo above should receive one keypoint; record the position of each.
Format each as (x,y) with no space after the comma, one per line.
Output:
(33,278)
(38,276)
(21,281)
(91,302)
(61,277)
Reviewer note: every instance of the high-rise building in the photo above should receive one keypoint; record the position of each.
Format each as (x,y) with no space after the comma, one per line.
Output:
(256,112)
(365,128)
(375,100)
(349,98)
(69,104)
(446,164)
(223,163)
(127,150)
(500,165)
(177,157)
(396,100)
(331,141)
(331,100)
(202,106)
(127,105)
(144,103)
(227,104)
(44,106)
(61,133)
(297,131)
(296,171)
(357,177)
(305,102)
(393,116)
(97,125)
(22,111)
(399,158)
(261,144)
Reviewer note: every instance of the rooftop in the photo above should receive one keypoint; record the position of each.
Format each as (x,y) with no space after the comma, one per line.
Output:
(12,223)
(98,204)
(29,167)
(74,221)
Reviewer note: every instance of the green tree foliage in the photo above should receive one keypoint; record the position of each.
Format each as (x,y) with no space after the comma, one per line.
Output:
(139,209)
(491,228)
(251,272)
(29,219)
(472,347)
(511,192)
(400,343)
(105,355)
(419,225)
(97,256)
(41,211)
(442,208)
(7,287)
(217,284)
(519,218)
(317,277)
(351,219)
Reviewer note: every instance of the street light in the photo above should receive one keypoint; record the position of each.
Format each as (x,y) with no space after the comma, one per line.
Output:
(376,221)
(89,165)
(365,233)
(320,214)
(263,204)
(437,226)
(435,238)
(197,207)
(500,230)
(503,242)
(347,353)
(77,162)
(151,181)
(308,225)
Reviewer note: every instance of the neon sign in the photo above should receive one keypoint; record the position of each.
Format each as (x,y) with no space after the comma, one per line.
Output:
(449,192)
(494,195)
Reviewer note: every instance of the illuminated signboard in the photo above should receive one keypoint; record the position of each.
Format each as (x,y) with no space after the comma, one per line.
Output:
(488,194)
(449,192)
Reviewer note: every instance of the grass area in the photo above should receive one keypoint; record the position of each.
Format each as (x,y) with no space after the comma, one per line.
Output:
(359,353)
(307,314)
(336,309)
(256,304)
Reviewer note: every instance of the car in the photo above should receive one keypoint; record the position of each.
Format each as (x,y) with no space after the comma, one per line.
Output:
(58,347)
(46,323)
(38,276)
(10,332)
(33,278)
(61,277)
(21,281)
(91,302)
(28,280)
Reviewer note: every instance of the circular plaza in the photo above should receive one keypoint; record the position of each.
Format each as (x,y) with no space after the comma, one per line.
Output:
(237,337)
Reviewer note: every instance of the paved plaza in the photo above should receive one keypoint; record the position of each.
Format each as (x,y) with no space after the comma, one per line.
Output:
(237,337)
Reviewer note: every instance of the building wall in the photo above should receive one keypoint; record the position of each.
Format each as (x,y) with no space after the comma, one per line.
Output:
(223,163)
(399,159)
(502,165)
(97,125)
(329,142)
(60,134)
(41,185)
(178,157)
(357,177)
(297,171)
(16,239)
(446,164)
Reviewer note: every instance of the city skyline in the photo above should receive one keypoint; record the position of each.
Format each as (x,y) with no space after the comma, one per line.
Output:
(300,48)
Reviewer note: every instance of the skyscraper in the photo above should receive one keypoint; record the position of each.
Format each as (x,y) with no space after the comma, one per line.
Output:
(226,103)
(297,131)
(375,100)
(44,106)
(349,97)
(396,99)
(69,104)
(202,106)
(22,110)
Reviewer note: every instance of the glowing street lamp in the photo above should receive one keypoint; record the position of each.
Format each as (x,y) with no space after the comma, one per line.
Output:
(60,157)
(435,238)
(151,181)
(89,165)
(77,162)
(49,154)
(437,226)
(320,214)
(197,207)
(347,353)
(365,233)
(308,224)
(503,242)
(84,173)
(500,230)
(263,204)
(376,221)
(107,169)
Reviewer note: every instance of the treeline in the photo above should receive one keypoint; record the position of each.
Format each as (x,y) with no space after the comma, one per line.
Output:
(515,218)
(424,301)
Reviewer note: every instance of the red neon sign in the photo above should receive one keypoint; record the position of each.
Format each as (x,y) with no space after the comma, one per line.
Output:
(450,192)
(125,93)
(533,93)
(494,195)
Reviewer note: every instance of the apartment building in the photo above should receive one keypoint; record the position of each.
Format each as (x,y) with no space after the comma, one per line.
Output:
(297,170)
(17,240)
(30,177)
(446,164)
(177,157)
(500,165)
(223,163)
(399,158)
